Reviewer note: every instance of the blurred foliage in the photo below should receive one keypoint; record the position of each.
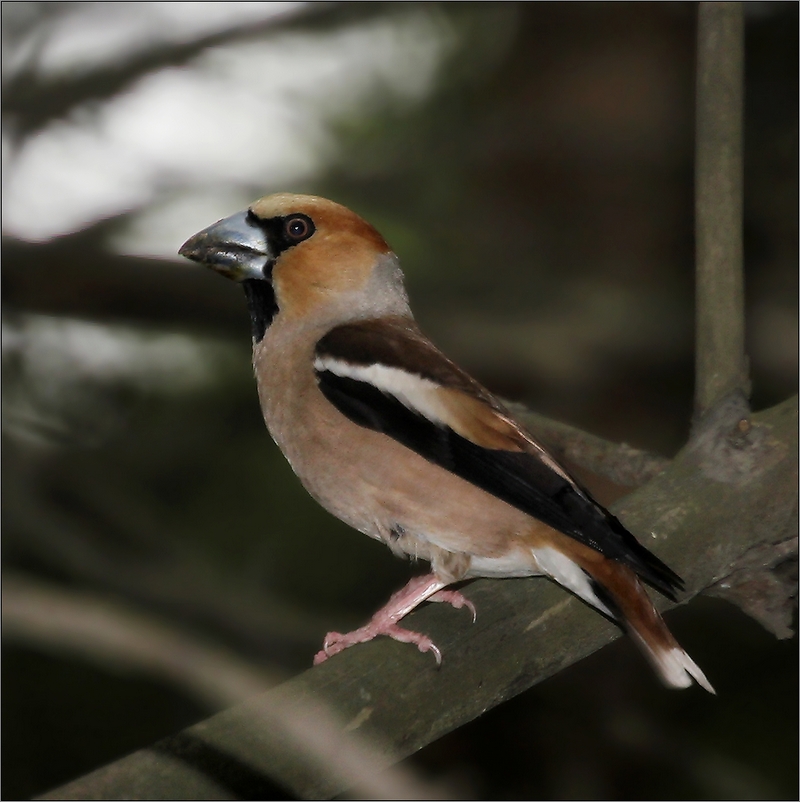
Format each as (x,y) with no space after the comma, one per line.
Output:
(539,193)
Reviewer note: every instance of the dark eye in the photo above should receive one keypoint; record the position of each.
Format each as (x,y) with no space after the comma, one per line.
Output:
(298,227)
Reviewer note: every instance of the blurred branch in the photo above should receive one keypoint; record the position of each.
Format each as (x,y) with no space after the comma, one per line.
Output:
(721,364)
(106,632)
(295,727)
(526,631)
(33,102)
(69,276)
(176,583)
(80,527)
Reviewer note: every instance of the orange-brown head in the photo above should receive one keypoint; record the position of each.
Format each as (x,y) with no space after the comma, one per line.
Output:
(305,257)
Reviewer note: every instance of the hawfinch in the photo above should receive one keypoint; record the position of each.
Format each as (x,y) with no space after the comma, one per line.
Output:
(392,437)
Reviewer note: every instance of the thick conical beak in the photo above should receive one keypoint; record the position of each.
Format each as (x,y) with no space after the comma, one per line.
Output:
(236,247)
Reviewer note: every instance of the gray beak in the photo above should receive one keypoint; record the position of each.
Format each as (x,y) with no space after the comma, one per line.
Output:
(235,247)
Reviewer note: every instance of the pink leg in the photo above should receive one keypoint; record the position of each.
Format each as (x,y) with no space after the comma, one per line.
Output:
(384,622)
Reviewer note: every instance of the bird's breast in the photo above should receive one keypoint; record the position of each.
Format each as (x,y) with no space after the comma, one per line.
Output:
(368,479)
(309,431)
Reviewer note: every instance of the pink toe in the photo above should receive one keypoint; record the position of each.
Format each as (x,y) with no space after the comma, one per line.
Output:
(456,599)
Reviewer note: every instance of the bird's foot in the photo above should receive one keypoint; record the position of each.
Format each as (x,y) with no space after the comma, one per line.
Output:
(336,642)
(384,622)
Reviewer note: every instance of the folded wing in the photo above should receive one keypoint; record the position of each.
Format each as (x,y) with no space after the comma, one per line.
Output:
(386,376)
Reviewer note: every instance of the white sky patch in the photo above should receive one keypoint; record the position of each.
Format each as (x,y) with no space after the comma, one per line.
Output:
(161,227)
(55,351)
(253,114)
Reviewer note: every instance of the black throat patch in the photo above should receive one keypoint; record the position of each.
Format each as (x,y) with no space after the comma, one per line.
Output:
(260,295)
(262,306)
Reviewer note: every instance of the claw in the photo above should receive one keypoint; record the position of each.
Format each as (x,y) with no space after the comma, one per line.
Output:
(436,654)
(456,599)
(330,639)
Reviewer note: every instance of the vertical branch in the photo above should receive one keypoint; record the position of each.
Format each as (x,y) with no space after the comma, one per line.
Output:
(721,365)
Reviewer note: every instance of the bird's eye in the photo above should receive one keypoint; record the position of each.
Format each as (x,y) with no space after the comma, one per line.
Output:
(298,227)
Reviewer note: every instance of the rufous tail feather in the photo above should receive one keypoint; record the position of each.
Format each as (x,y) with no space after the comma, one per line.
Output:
(615,590)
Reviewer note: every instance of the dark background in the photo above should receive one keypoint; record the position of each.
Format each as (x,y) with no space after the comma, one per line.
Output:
(531,164)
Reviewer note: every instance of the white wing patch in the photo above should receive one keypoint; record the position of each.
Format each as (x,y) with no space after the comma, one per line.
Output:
(420,395)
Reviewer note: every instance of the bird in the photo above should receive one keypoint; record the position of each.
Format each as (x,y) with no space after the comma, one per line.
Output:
(396,440)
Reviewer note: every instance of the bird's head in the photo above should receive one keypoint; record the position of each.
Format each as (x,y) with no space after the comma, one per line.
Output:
(305,258)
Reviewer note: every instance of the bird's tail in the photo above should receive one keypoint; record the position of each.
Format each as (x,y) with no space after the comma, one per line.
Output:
(616,591)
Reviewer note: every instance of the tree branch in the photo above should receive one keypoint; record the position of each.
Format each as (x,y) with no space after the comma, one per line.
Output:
(763,583)
(526,631)
(721,364)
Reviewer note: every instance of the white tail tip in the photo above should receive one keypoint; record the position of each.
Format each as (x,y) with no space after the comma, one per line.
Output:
(678,670)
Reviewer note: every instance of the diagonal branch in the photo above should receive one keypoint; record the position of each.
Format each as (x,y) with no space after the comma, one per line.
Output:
(110,633)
